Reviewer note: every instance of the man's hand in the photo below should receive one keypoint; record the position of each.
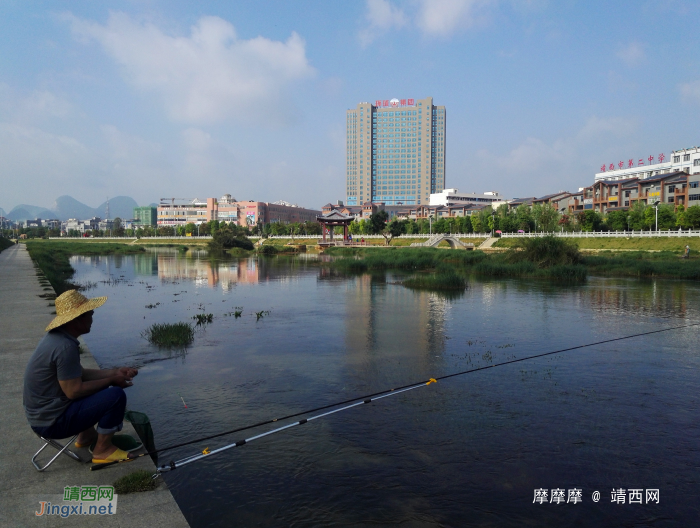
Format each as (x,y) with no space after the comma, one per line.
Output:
(127,371)
(120,380)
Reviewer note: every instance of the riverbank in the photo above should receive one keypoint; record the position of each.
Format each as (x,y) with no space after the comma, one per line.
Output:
(25,314)
(54,258)
(661,243)
(562,263)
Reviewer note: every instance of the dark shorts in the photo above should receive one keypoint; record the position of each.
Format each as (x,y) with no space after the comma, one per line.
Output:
(105,408)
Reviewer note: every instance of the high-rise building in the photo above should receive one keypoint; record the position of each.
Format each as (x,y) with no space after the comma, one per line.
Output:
(395,152)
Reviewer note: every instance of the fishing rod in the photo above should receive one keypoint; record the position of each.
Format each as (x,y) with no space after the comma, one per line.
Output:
(353,402)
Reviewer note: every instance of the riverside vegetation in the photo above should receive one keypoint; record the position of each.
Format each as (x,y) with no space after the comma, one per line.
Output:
(546,257)
(53,258)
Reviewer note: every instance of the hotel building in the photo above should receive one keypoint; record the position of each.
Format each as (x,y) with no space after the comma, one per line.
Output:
(395,152)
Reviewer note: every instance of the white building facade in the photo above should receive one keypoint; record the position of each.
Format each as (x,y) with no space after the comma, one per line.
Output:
(449,197)
(687,160)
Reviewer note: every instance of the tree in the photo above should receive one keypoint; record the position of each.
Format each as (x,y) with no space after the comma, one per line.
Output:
(616,220)
(549,216)
(117,227)
(523,218)
(393,229)
(377,222)
(589,220)
(636,216)
(688,218)
(476,223)
(229,236)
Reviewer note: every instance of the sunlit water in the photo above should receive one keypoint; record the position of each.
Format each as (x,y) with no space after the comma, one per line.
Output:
(468,451)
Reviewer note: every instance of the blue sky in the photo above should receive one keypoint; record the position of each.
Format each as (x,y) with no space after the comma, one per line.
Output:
(159,99)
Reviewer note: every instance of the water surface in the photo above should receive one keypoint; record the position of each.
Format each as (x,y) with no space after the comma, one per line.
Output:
(468,451)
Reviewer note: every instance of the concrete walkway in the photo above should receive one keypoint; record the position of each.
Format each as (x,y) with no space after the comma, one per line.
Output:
(23,317)
(488,242)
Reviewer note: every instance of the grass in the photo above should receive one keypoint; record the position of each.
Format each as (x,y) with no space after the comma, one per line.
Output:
(662,265)
(135,482)
(447,280)
(362,259)
(5,243)
(661,243)
(53,258)
(169,335)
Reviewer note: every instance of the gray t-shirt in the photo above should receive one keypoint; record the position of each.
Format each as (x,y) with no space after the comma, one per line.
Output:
(57,357)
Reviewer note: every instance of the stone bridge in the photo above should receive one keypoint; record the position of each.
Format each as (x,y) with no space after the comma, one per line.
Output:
(434,241)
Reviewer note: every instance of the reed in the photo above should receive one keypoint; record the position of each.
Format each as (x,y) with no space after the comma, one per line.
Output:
(438,281)
(169,335)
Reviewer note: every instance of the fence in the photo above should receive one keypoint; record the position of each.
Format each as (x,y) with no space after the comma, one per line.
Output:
(608,234)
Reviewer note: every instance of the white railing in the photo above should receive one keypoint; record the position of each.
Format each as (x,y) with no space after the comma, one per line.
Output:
(416,235)
(608,234)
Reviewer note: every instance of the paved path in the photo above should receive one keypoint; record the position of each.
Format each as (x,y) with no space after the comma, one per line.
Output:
(489,242)
(23,317)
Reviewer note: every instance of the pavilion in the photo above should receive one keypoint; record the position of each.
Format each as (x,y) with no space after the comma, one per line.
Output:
(328,223)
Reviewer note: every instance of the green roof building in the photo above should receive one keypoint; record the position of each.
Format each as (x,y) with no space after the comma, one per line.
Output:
(146,215)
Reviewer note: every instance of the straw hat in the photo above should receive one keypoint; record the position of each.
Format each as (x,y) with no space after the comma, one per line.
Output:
(72,304)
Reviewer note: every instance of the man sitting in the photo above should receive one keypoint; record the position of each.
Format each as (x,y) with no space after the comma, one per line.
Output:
(61,398)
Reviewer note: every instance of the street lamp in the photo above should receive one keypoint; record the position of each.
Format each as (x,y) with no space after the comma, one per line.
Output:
(493,221)
(430,219)
(656,206)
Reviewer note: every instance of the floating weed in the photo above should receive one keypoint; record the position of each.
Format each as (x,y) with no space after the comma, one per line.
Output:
(149,306)
(261,314)
(169,334)
(505,346)
(203,319)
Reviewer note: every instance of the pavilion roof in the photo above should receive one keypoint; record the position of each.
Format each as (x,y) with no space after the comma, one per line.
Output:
(334,215)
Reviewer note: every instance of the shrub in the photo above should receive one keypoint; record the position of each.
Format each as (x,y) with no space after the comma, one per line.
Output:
(169,335)
(544,252)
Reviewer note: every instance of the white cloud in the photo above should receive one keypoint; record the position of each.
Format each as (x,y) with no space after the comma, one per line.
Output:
(39,104)
(209,76)
(690,91)
(633,54)
(382,16)
(444,17)
(564,163)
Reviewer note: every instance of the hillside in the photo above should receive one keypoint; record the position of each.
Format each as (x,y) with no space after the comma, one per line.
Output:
(66,207)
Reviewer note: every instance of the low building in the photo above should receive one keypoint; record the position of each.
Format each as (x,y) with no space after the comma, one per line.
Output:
(449,197)
(228,209)
(673,188)
(683,160)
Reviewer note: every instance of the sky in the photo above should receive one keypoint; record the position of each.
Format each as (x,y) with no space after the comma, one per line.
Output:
(155,99)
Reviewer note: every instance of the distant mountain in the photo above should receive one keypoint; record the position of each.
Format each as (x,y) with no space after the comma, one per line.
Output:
(2,212)
(29,212)
(119,206)
(66,207)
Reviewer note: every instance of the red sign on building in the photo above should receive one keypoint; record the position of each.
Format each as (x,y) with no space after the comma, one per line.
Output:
(394,103)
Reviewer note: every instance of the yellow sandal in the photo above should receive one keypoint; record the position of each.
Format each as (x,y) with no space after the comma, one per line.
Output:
(117,456)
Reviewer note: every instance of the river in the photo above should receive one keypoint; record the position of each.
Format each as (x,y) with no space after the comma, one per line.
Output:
(467,451)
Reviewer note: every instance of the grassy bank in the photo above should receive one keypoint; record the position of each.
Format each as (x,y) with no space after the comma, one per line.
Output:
(543,258)
(676,244)
(396,242)
(5,243)
(53,258)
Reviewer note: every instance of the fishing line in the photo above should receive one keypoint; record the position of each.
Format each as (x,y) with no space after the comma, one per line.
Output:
(356,401)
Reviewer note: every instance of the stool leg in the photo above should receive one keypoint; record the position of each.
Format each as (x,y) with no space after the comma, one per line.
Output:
(62,449)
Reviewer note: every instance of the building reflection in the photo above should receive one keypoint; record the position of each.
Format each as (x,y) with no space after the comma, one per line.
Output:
(211,273)
(384,318)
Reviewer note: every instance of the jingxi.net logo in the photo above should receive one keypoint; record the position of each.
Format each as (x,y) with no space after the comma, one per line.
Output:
(81,500)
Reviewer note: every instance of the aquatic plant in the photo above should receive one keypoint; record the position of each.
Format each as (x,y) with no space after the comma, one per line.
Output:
(261,314)
(169,334)
(203,319)
(438,281)
(267,249)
